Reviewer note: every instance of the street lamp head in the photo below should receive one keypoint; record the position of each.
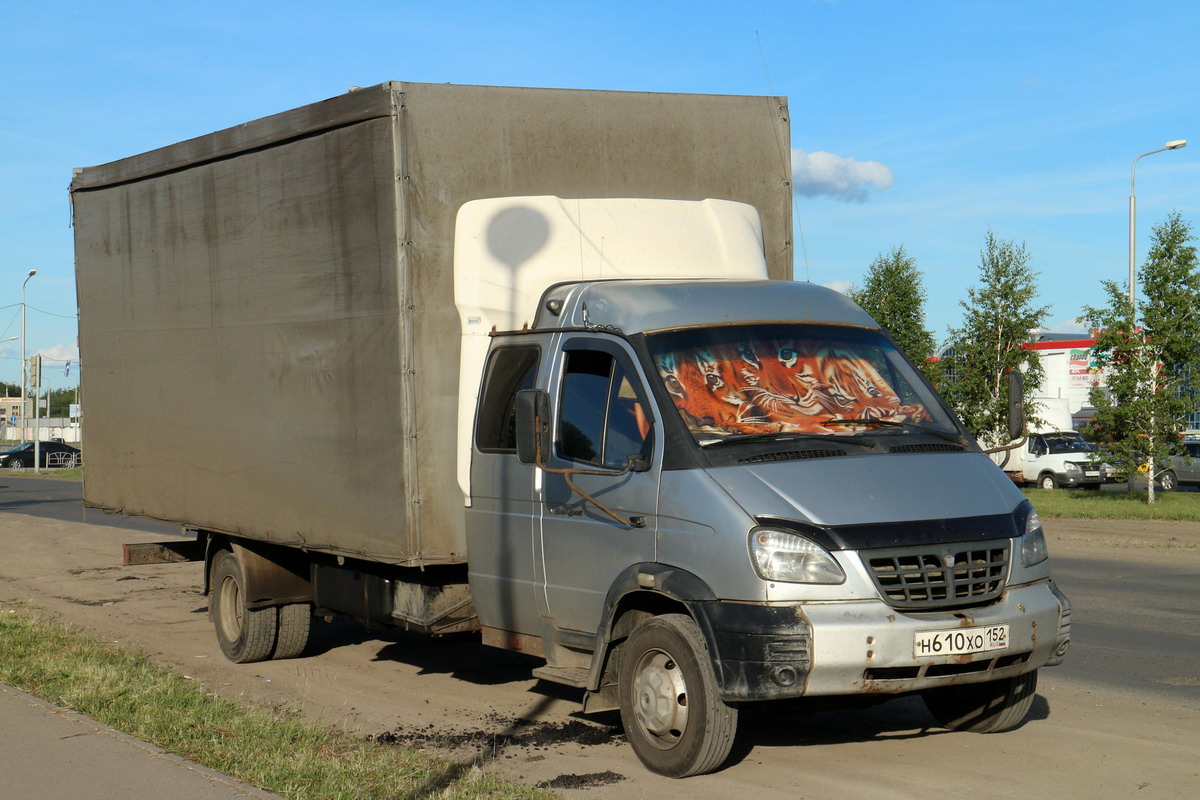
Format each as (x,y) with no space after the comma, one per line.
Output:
(33,272)
(1177,144)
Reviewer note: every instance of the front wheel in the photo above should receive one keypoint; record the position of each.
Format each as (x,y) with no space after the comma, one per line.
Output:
(989,707)
(1168,482)
(14,463)
(674,717)
(1048,481)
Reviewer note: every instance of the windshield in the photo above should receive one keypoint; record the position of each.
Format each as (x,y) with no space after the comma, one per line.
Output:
(1058,443)
(790,378)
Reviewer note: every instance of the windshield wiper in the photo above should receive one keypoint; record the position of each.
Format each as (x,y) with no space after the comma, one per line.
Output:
(888,423)
(787,437)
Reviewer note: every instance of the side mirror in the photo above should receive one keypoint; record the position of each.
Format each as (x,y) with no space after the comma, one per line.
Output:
(533,426)
(1016,404)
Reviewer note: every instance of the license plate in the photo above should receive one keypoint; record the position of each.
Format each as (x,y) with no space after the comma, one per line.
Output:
(1092,474)
(960,641)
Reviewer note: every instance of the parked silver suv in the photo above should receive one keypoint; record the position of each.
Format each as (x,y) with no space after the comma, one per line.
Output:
(1181,470)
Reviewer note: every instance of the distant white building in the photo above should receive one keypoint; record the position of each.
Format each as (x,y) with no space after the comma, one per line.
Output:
(1071,372)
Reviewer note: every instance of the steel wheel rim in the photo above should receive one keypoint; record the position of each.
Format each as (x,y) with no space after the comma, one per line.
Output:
(660,699)
(232,614)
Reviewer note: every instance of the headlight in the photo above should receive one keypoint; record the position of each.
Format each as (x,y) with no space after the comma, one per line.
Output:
(786,557)
(1033,542)
(1072,466)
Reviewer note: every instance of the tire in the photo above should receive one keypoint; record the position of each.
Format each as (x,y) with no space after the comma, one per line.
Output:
(295,619)
(14,463)
(1168,482)
(983,707)
(673,715)
(245,635)
(1048,481)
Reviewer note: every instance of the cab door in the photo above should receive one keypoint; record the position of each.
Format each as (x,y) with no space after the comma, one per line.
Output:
(602,418)
(503,517)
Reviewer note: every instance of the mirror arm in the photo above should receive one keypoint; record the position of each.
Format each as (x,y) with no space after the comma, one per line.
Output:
(1024,438)
(635,522)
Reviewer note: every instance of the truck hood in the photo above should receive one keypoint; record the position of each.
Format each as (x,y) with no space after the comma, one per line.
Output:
(872,489)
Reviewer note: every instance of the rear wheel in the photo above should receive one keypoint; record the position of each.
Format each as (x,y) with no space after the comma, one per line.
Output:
(674,717)
(294,622)
(245,634)
(1048,481)
(1168,482)
(983,707)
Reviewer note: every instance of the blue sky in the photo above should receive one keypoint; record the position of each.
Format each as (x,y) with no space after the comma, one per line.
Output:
(917,123)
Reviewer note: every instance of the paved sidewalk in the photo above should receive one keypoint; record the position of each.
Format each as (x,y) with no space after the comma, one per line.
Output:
(50,753)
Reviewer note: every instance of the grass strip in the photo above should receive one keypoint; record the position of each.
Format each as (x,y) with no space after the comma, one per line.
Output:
(271,749)
(56,473)
(1180,506)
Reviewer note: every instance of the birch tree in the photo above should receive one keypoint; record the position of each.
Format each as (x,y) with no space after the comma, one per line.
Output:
(1151,354)
(999,316)
(892,293)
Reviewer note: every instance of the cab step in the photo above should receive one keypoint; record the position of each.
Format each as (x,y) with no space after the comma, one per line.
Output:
(568,676)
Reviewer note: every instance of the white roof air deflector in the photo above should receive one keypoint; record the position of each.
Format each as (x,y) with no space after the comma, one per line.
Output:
(509,250)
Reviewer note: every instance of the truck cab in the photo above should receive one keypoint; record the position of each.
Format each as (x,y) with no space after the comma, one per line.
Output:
(686,495)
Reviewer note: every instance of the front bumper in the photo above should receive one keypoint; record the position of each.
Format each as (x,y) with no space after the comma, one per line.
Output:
(866,647)
(1074,479)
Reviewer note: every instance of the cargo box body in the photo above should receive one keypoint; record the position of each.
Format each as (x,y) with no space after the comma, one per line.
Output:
(267,324)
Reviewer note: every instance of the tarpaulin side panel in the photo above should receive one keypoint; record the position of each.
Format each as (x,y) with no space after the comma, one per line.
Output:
(298,269)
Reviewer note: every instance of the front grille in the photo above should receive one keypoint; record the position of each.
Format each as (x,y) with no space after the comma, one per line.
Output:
(940,576)
(790,455)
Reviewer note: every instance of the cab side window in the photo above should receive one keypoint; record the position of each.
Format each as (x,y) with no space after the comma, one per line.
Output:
(509,370)
(602,420)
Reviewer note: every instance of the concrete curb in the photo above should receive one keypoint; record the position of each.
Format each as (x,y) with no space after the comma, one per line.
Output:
(135,750)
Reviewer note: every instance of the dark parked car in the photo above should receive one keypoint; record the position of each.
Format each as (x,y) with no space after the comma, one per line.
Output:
(53,454)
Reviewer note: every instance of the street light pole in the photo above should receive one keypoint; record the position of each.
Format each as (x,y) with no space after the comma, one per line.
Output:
(24,365)
(1177,144)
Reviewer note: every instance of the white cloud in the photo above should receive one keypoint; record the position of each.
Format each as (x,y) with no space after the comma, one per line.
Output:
(821,173)
(1069,325)
(845,287)
(61,353)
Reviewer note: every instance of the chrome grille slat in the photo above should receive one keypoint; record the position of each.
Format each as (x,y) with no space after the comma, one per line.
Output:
(919,577)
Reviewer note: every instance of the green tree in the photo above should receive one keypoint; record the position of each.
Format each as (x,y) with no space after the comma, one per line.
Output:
(892,293)
(1151,354)
(998,318)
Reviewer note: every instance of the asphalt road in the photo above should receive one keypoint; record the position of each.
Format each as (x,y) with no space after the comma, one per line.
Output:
(52,498)
(1134,627)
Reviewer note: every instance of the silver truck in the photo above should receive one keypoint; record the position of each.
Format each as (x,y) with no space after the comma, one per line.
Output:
(529,362)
